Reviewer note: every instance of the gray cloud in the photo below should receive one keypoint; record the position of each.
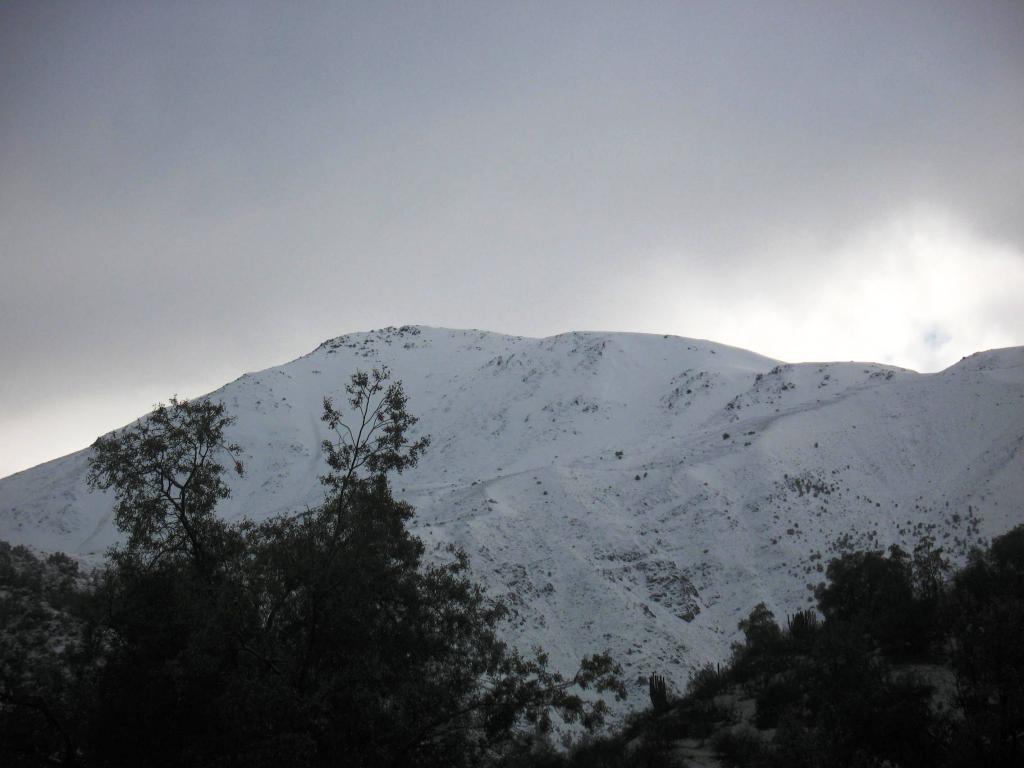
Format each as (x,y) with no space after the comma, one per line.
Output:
(189,191)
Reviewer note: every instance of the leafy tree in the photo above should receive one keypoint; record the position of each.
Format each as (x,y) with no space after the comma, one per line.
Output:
(874,594)
(376,442)
(760,654)
(402,659)
(46,659)
(987,622)
(310,639)
(166,475)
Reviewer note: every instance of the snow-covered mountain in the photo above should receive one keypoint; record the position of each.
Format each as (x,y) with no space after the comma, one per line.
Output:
(624,492)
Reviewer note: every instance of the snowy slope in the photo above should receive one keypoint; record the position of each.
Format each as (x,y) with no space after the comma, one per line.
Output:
(625,492)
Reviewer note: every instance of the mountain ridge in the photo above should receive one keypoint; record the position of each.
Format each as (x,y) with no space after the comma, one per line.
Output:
(636,493)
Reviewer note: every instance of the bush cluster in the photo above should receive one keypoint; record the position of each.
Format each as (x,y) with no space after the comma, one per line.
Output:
(905,663)
(909,664)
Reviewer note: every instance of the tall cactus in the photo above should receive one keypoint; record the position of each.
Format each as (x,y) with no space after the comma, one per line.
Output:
(803,627)
(659,693)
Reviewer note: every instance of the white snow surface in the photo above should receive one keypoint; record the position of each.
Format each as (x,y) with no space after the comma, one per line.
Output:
(629,493)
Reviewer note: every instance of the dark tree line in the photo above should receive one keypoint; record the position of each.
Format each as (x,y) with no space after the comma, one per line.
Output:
(906,663)
(312,639)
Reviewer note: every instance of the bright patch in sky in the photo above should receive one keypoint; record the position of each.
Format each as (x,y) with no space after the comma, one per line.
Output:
(920,290)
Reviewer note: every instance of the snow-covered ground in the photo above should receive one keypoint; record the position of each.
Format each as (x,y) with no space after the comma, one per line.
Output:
(624,492)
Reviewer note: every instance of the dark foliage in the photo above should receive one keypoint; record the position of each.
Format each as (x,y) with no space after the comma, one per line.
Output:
(315,639)
(707,682)
(857,687)
(45,657)
(987,610)
(839,692)
(873,594)
(166,475)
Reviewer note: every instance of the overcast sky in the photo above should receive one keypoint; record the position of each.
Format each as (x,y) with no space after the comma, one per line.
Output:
(190,191)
